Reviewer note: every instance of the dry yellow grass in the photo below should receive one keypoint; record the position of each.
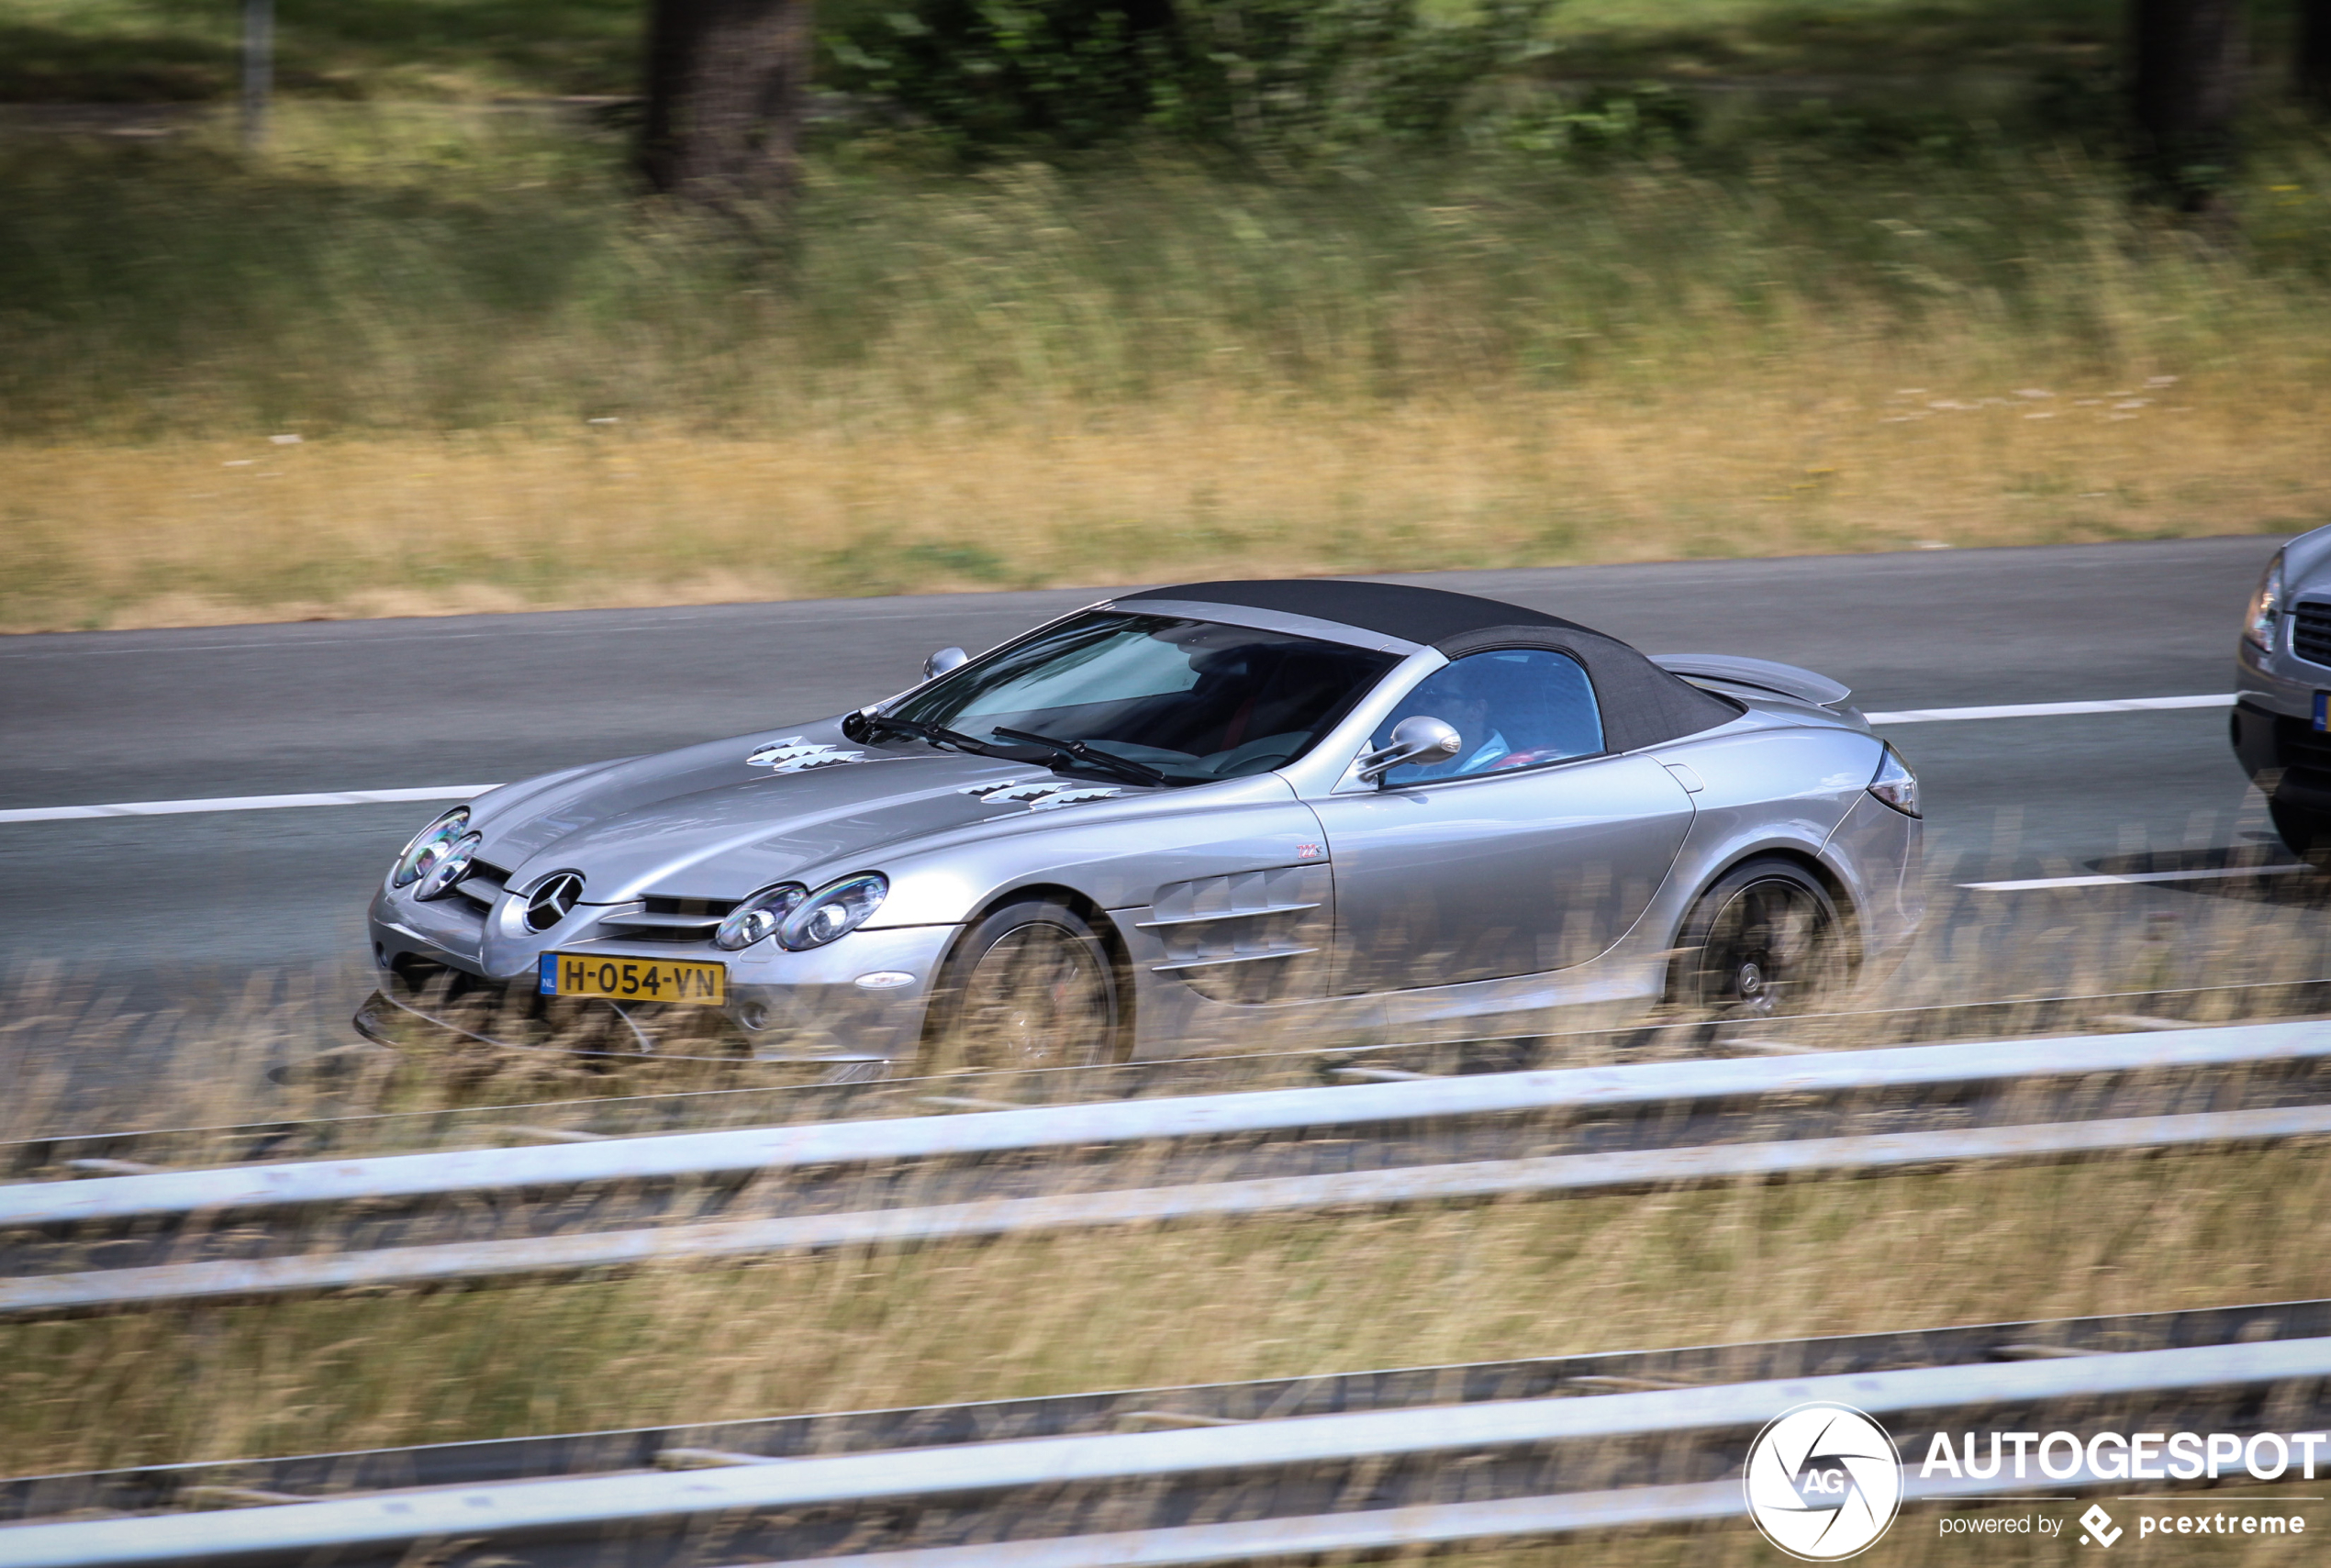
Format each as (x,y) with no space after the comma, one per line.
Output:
(1811,460)
(1267,1297)
(1196,1303)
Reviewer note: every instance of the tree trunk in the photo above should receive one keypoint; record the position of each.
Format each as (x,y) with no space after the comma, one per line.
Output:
(2190,59)
(2314,82)
(726,85)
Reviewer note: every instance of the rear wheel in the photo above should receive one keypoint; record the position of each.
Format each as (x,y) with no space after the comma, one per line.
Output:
(1764,940)
(1030,986)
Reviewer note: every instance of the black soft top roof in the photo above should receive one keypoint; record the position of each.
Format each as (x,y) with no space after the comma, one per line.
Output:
(1641,704)
(1428,616)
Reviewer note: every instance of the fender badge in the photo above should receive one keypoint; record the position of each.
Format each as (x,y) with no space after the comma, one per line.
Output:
(794,755)
(1039,794)
(885,980)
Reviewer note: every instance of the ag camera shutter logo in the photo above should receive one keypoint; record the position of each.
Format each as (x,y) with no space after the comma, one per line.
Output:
(1823,1481)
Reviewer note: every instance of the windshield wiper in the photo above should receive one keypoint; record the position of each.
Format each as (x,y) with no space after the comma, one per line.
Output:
(1077,750)
(938,735)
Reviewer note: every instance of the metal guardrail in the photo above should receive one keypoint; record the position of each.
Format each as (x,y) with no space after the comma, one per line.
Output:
(1376,1530)
(216,1262)
(1354,1479)
(148,1488)
(462,1123)
(179,1193)
(53,1294)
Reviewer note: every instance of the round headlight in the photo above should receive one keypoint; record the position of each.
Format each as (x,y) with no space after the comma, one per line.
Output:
(758,917)
(430,847)
(834,910)
(2264,609)
(449,868)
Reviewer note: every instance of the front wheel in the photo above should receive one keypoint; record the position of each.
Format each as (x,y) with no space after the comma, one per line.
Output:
(1764,940)
(1030,986)
(2308,833)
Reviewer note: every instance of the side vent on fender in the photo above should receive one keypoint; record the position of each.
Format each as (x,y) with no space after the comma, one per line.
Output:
(1250,937)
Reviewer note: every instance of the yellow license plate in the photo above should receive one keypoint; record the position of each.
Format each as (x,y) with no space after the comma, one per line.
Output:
(633,979)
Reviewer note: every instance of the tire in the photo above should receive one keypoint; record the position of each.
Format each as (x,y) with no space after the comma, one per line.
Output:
(1032,984)
(2307,833)
(1764,939)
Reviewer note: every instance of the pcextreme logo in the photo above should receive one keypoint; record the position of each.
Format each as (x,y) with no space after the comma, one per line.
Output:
(1823,1481)
(2100,1526)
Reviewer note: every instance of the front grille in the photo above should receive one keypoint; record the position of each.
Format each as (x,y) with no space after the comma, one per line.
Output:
(483,883)
(2311,632)
(661,919)
(2297,744)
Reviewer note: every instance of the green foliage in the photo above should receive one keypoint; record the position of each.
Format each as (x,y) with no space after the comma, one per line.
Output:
(1274,78)
(991,72)
(1606,121)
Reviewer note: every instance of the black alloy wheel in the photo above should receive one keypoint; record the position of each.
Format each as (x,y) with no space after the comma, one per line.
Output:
(1764,940)
(1031,986)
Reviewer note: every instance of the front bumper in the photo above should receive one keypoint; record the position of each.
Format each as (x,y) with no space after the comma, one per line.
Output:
(2272,729)
(781,1005)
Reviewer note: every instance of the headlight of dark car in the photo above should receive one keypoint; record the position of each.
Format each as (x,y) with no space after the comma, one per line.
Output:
(758,917)
(834,910)
(430,847)
(2264,609)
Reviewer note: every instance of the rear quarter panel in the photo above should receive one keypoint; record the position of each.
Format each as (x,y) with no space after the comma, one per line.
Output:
(1786,787)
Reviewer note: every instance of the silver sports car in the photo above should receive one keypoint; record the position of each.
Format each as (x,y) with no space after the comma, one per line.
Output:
(1191,819)
(2282,682)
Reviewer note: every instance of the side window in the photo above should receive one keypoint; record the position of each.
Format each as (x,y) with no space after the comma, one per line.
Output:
(1514,707)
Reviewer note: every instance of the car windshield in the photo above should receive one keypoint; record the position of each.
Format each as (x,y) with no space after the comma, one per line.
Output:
(1195,700)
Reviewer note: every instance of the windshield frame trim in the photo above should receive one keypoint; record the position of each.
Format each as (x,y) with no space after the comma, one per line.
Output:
(1265,620)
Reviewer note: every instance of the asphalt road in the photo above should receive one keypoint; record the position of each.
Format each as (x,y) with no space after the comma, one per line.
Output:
(165,905)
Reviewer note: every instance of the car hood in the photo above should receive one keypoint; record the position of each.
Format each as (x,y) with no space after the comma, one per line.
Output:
(706,823)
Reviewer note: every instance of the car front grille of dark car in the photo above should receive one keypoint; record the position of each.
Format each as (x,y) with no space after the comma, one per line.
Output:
(2298,745)
(2311,632)
(661,919)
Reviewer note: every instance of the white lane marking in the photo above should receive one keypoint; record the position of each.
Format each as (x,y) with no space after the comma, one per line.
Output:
(2047,709)
(454,792)
(241,803)
(2108,881)
(297,643)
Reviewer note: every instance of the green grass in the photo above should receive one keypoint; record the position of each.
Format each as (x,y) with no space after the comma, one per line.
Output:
(1140,363)
(123,50)
(443,270)
(137,50)
(1784,38)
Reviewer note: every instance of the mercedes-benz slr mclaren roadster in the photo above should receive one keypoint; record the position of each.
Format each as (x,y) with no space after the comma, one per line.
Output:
(1191,819)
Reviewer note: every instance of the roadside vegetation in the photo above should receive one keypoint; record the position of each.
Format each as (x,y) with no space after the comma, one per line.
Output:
(216,1069)
(1157,1306)
(1607,317)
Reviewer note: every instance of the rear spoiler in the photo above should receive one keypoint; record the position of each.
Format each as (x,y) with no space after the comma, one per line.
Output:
(1757,674)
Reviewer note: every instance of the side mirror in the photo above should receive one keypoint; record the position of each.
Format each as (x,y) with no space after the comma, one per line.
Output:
(946,659)
(1414,739)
